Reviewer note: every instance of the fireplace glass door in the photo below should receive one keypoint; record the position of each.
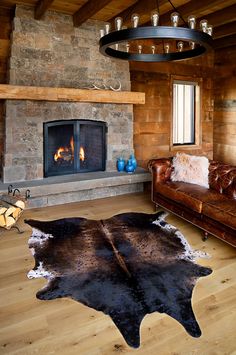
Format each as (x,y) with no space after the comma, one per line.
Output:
(74,146)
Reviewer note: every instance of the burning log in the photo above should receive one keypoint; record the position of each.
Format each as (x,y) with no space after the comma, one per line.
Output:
(67,156)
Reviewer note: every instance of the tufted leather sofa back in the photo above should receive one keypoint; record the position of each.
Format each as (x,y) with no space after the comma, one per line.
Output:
(222,178)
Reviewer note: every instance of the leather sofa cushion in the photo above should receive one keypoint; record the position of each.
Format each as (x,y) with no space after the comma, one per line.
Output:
(190,195)
(176,191)
(221,211)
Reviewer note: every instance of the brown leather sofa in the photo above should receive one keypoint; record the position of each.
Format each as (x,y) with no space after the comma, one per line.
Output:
(213,209)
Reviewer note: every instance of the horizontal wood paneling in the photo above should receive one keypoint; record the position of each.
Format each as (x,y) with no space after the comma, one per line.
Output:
(225,106)
(152,121)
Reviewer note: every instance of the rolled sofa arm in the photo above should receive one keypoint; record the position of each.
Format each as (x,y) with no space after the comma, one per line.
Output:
(160,169)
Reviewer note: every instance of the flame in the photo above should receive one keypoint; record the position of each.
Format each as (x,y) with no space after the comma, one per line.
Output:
(81,154)
(72,147)
(60,150)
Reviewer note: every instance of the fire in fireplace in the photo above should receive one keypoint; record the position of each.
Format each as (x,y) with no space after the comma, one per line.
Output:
(74,146)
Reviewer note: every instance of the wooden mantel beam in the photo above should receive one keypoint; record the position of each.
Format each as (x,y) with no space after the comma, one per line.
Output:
(13,92)
(41,7)
(89,9)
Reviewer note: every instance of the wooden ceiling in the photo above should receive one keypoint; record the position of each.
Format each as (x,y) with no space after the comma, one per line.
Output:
(220,13)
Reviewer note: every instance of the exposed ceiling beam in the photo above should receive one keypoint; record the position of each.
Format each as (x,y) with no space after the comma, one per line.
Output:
(89,9)
(140,7)
(221,17)
(224,30)
(223,42)
(41,7)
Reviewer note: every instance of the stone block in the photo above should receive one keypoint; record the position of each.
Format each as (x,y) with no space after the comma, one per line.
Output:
(24,12)
(36,202)
(23,40)
(43,41)
(63,28)
(8,160)
(53,16)
(14,174)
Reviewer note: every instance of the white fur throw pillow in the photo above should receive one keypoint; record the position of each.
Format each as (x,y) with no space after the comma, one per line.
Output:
(190,168)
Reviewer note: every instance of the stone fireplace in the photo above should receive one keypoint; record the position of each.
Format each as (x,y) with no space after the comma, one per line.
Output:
(53,53)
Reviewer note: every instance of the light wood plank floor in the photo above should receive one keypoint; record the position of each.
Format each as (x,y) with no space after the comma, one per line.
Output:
(63,326)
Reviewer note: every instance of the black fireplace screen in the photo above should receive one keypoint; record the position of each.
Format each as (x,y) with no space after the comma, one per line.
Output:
(74,146)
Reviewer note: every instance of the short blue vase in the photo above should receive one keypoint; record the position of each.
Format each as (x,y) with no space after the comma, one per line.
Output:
(120,164)
(129,168)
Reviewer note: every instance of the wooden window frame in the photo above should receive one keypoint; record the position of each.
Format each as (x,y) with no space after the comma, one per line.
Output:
(198,111)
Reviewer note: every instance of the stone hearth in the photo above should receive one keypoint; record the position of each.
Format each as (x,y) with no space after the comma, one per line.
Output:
(79,187)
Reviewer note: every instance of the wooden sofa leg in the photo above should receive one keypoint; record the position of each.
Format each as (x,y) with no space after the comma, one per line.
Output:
(205,237)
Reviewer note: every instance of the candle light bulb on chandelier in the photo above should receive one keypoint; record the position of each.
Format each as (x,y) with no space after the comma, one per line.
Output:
(154,18)
(153,49)
(174,19)
(107,28)
(118,23)
(203,25)
(140,47)
(102,33)
(192,45)
(127,47)
(209,30)
(192,22)
(180,46)
(135,20)
(166,47)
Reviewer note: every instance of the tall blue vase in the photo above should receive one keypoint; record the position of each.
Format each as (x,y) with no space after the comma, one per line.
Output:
(134,161)
(120,164)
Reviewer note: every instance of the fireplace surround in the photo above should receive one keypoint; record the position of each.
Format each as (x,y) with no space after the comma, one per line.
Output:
(61,56)
(74,146)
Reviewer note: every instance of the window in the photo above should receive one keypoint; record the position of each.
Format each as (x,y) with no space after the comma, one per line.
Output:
(185,102)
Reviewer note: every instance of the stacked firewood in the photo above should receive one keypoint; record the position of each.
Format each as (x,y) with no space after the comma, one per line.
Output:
(11,208)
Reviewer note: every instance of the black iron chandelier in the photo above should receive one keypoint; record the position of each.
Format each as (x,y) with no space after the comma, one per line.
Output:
(156,43)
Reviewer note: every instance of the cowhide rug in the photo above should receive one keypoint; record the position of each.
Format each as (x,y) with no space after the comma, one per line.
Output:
(126,266)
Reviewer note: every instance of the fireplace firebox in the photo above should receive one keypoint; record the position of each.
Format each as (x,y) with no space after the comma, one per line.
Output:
(74,146)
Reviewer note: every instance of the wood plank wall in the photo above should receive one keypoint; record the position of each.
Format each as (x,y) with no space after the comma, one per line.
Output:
(225,106)
(6,17)
(152,121)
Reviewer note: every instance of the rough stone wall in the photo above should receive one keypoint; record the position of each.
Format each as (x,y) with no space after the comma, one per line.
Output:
(52,52)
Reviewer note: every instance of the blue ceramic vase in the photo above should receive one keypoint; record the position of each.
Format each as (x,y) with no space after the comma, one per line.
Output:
(134,161)
(120,164)
(129,168)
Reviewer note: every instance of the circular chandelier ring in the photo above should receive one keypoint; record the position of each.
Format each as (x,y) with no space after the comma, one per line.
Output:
(204,40)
